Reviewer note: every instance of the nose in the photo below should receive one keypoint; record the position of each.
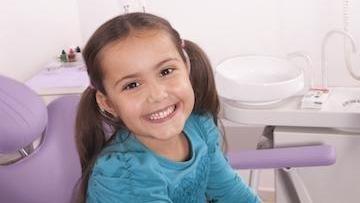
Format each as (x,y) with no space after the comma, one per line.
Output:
(157,92)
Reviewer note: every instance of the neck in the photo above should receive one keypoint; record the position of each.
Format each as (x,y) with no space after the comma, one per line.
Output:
(174,149)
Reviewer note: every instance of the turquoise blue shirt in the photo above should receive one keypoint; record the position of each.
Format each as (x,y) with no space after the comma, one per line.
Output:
(127,171)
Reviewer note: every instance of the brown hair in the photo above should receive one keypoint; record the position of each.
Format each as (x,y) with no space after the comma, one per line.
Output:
(91,124)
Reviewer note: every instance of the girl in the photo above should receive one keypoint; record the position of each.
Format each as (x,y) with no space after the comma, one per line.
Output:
(155,95)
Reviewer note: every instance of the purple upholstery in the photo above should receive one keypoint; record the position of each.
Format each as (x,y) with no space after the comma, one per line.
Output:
(302,156)
(23,115)
(49,174)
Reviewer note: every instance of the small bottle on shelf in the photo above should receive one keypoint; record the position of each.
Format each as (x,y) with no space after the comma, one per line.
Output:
(71,56)
(63,56)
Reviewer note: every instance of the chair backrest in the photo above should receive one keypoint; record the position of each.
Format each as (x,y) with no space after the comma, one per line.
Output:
(23,115)
(51,171)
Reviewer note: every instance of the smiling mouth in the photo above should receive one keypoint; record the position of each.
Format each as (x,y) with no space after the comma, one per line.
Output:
(163,114)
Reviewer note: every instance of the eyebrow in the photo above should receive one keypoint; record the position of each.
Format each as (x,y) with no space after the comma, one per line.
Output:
(137,74)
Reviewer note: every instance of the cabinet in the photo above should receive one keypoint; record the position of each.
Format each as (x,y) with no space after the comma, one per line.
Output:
(59,79)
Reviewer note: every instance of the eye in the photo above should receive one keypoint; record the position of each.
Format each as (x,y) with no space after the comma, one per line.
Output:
(131,85)
(166,71)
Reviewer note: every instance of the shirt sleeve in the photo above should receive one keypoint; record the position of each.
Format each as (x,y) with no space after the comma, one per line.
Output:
(224,185)
(118,177)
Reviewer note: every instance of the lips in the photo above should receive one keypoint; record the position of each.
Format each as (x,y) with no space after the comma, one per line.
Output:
(162,115)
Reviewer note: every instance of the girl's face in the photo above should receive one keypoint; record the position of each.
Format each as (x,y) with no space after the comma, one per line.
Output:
(147,85)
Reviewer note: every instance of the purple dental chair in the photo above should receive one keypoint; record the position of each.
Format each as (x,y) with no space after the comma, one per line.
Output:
(42,163)
(39,162)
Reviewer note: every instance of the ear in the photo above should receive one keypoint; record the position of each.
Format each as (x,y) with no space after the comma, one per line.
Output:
(105,104)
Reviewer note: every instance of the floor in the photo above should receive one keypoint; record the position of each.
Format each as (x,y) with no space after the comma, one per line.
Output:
(266,185)
(267,197)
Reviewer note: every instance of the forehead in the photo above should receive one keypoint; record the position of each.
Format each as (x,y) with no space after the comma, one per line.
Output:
(139,50)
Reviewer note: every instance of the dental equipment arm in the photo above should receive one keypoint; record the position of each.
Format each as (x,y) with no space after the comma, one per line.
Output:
(323,62)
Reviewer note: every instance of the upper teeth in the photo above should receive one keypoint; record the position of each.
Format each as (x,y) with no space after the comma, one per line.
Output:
(162,114)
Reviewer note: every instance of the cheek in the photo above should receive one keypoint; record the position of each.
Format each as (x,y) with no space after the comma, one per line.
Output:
(187,85)
(127,107)
(130,114)
(184,88)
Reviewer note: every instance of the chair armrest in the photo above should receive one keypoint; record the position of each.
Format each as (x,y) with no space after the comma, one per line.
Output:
(302,156)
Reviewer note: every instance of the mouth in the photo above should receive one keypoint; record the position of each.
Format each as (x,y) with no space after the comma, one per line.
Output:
(162,115)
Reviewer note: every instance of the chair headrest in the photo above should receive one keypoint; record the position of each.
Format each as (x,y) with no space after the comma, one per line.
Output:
(23,115)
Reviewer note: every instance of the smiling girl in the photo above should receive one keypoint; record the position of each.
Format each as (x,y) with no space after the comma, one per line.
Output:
(154,95)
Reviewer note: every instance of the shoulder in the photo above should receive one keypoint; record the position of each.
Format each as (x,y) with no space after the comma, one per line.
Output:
(203,125)
(123,176)
(123,155)
(201,121)
(110,163)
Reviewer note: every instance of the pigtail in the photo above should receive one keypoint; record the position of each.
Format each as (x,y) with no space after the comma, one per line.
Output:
(203,83)
(202,80)
(90,137)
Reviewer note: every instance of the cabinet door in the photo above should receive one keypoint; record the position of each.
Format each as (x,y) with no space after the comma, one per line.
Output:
(328,184)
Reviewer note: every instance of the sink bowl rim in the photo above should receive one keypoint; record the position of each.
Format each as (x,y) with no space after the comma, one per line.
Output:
(298,75)
(259,92)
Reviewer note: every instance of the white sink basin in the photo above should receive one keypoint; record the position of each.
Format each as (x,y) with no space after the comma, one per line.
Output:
(258,80)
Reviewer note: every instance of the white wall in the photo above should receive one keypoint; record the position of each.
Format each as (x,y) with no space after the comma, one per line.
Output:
(92,13)
(34,32)
(272,27)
